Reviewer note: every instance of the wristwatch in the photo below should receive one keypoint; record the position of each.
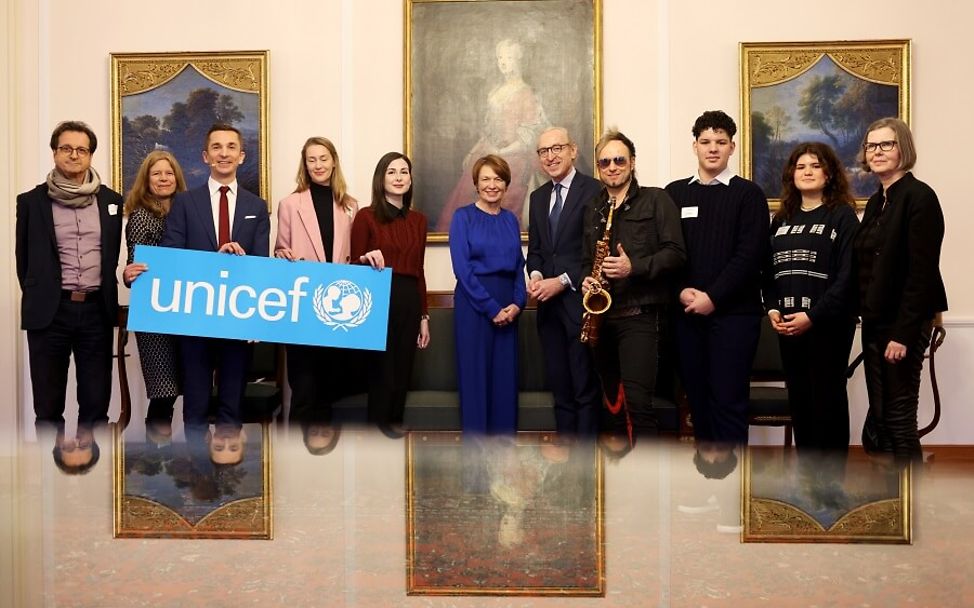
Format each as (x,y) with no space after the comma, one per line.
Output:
(564,280)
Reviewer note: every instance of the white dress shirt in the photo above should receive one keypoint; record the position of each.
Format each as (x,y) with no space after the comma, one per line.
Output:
(214,187)
(724,177)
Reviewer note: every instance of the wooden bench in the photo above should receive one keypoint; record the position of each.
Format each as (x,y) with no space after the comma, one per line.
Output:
(433,402)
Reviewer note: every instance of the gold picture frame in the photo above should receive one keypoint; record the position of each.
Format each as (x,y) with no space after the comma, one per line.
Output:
(173,490)
(503,516)
(487,76)
(817,91)
(169,100)
(788,501)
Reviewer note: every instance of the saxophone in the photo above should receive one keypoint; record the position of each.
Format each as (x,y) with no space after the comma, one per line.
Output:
(597,299)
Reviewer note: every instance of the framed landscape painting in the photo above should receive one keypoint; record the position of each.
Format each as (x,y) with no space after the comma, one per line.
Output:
(829,92)
(789,498)
(487,77)
(169,101)
(171,488)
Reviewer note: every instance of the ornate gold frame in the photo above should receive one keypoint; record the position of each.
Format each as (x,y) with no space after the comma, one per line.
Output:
(243,71)
(414,587)
(766,64)
(137,517)
(767,520)
(408,73)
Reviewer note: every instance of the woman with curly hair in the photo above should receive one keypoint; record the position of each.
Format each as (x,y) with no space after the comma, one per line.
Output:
(809,292)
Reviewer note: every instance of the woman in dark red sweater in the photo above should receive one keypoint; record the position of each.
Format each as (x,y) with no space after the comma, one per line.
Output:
(390,233)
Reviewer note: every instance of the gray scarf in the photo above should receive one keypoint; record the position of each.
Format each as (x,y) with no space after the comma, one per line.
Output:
(72,194)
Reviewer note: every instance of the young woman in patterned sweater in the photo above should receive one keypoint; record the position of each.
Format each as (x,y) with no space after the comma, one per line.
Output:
(809,292)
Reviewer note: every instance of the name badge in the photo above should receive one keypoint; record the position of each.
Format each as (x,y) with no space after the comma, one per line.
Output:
(689,212)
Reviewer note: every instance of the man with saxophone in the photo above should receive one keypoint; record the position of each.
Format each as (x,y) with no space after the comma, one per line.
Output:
(632,251)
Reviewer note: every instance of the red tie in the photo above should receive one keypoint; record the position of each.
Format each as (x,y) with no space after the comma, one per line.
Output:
(224,230)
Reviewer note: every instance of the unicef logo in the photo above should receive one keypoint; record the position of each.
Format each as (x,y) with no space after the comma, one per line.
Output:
(342,304)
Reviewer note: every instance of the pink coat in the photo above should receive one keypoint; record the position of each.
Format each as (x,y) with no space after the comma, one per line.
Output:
(297,228)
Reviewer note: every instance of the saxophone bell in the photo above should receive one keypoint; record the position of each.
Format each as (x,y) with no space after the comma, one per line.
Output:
(597,300)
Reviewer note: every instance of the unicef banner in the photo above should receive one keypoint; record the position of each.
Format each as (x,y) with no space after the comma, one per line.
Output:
(216,295)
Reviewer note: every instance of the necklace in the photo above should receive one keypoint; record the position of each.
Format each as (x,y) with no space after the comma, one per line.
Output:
(811,207)
(488,208)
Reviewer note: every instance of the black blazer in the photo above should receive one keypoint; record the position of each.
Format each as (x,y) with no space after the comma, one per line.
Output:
(189,224)
(38,263)
(906,288)
(563,254)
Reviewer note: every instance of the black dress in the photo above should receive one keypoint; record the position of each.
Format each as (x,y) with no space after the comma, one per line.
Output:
(157,352)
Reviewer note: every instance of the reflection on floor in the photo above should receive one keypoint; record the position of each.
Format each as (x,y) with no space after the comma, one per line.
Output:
(373,521)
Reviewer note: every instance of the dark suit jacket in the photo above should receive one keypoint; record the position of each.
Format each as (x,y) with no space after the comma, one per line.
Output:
(38,263)
(189,224)
(563,254)
(907,288)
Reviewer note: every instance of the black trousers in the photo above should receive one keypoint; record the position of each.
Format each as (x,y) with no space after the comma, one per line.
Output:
(80,328)
(628,353)
(392,369)
(894,394)
(716,354)
(815,366)
(314,373)
(569,371)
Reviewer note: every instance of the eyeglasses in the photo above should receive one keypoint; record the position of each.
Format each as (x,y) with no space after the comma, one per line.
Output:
(885,146)
(620,161)
(554,150)
(68,151)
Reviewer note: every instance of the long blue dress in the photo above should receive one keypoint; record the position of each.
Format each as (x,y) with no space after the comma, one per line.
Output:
(489,265)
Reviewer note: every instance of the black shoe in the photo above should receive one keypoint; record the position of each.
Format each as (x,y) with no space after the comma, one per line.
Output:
(392,431)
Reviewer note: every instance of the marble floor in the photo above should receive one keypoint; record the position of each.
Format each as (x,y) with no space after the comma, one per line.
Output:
(439,520)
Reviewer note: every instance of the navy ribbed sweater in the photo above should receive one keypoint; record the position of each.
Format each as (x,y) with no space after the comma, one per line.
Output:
(726,239)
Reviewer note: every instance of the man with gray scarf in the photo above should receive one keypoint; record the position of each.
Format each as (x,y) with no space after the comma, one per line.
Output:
(69,230)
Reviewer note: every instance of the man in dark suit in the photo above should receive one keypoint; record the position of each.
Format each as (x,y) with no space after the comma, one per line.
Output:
(69,230)
(218,216)
(554,267)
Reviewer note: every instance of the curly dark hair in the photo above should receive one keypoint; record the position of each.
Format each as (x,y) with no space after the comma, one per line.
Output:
(719,468)
(836,190)
(716,120)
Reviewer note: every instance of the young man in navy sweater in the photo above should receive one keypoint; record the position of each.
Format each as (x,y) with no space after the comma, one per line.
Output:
(725,226)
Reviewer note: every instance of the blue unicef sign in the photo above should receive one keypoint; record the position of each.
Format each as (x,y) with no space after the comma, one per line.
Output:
(217,295)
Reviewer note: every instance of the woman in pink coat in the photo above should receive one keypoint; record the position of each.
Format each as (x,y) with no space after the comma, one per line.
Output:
(314,223)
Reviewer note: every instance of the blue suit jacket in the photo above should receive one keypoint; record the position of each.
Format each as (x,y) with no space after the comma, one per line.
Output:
(563,254)
(189,224)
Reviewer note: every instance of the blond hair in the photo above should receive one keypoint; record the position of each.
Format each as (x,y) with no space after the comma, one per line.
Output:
(337,180)
(904,141)
(141,195)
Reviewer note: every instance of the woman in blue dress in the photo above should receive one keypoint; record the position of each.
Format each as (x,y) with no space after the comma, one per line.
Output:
(485,247)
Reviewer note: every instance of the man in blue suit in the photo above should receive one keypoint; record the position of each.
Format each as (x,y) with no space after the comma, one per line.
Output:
(218,216)
(554,265)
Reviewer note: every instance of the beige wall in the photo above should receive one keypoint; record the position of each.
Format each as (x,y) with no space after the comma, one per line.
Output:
(336,69)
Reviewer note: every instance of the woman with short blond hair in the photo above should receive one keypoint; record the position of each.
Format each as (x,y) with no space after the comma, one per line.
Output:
(897,254)
(485,248)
